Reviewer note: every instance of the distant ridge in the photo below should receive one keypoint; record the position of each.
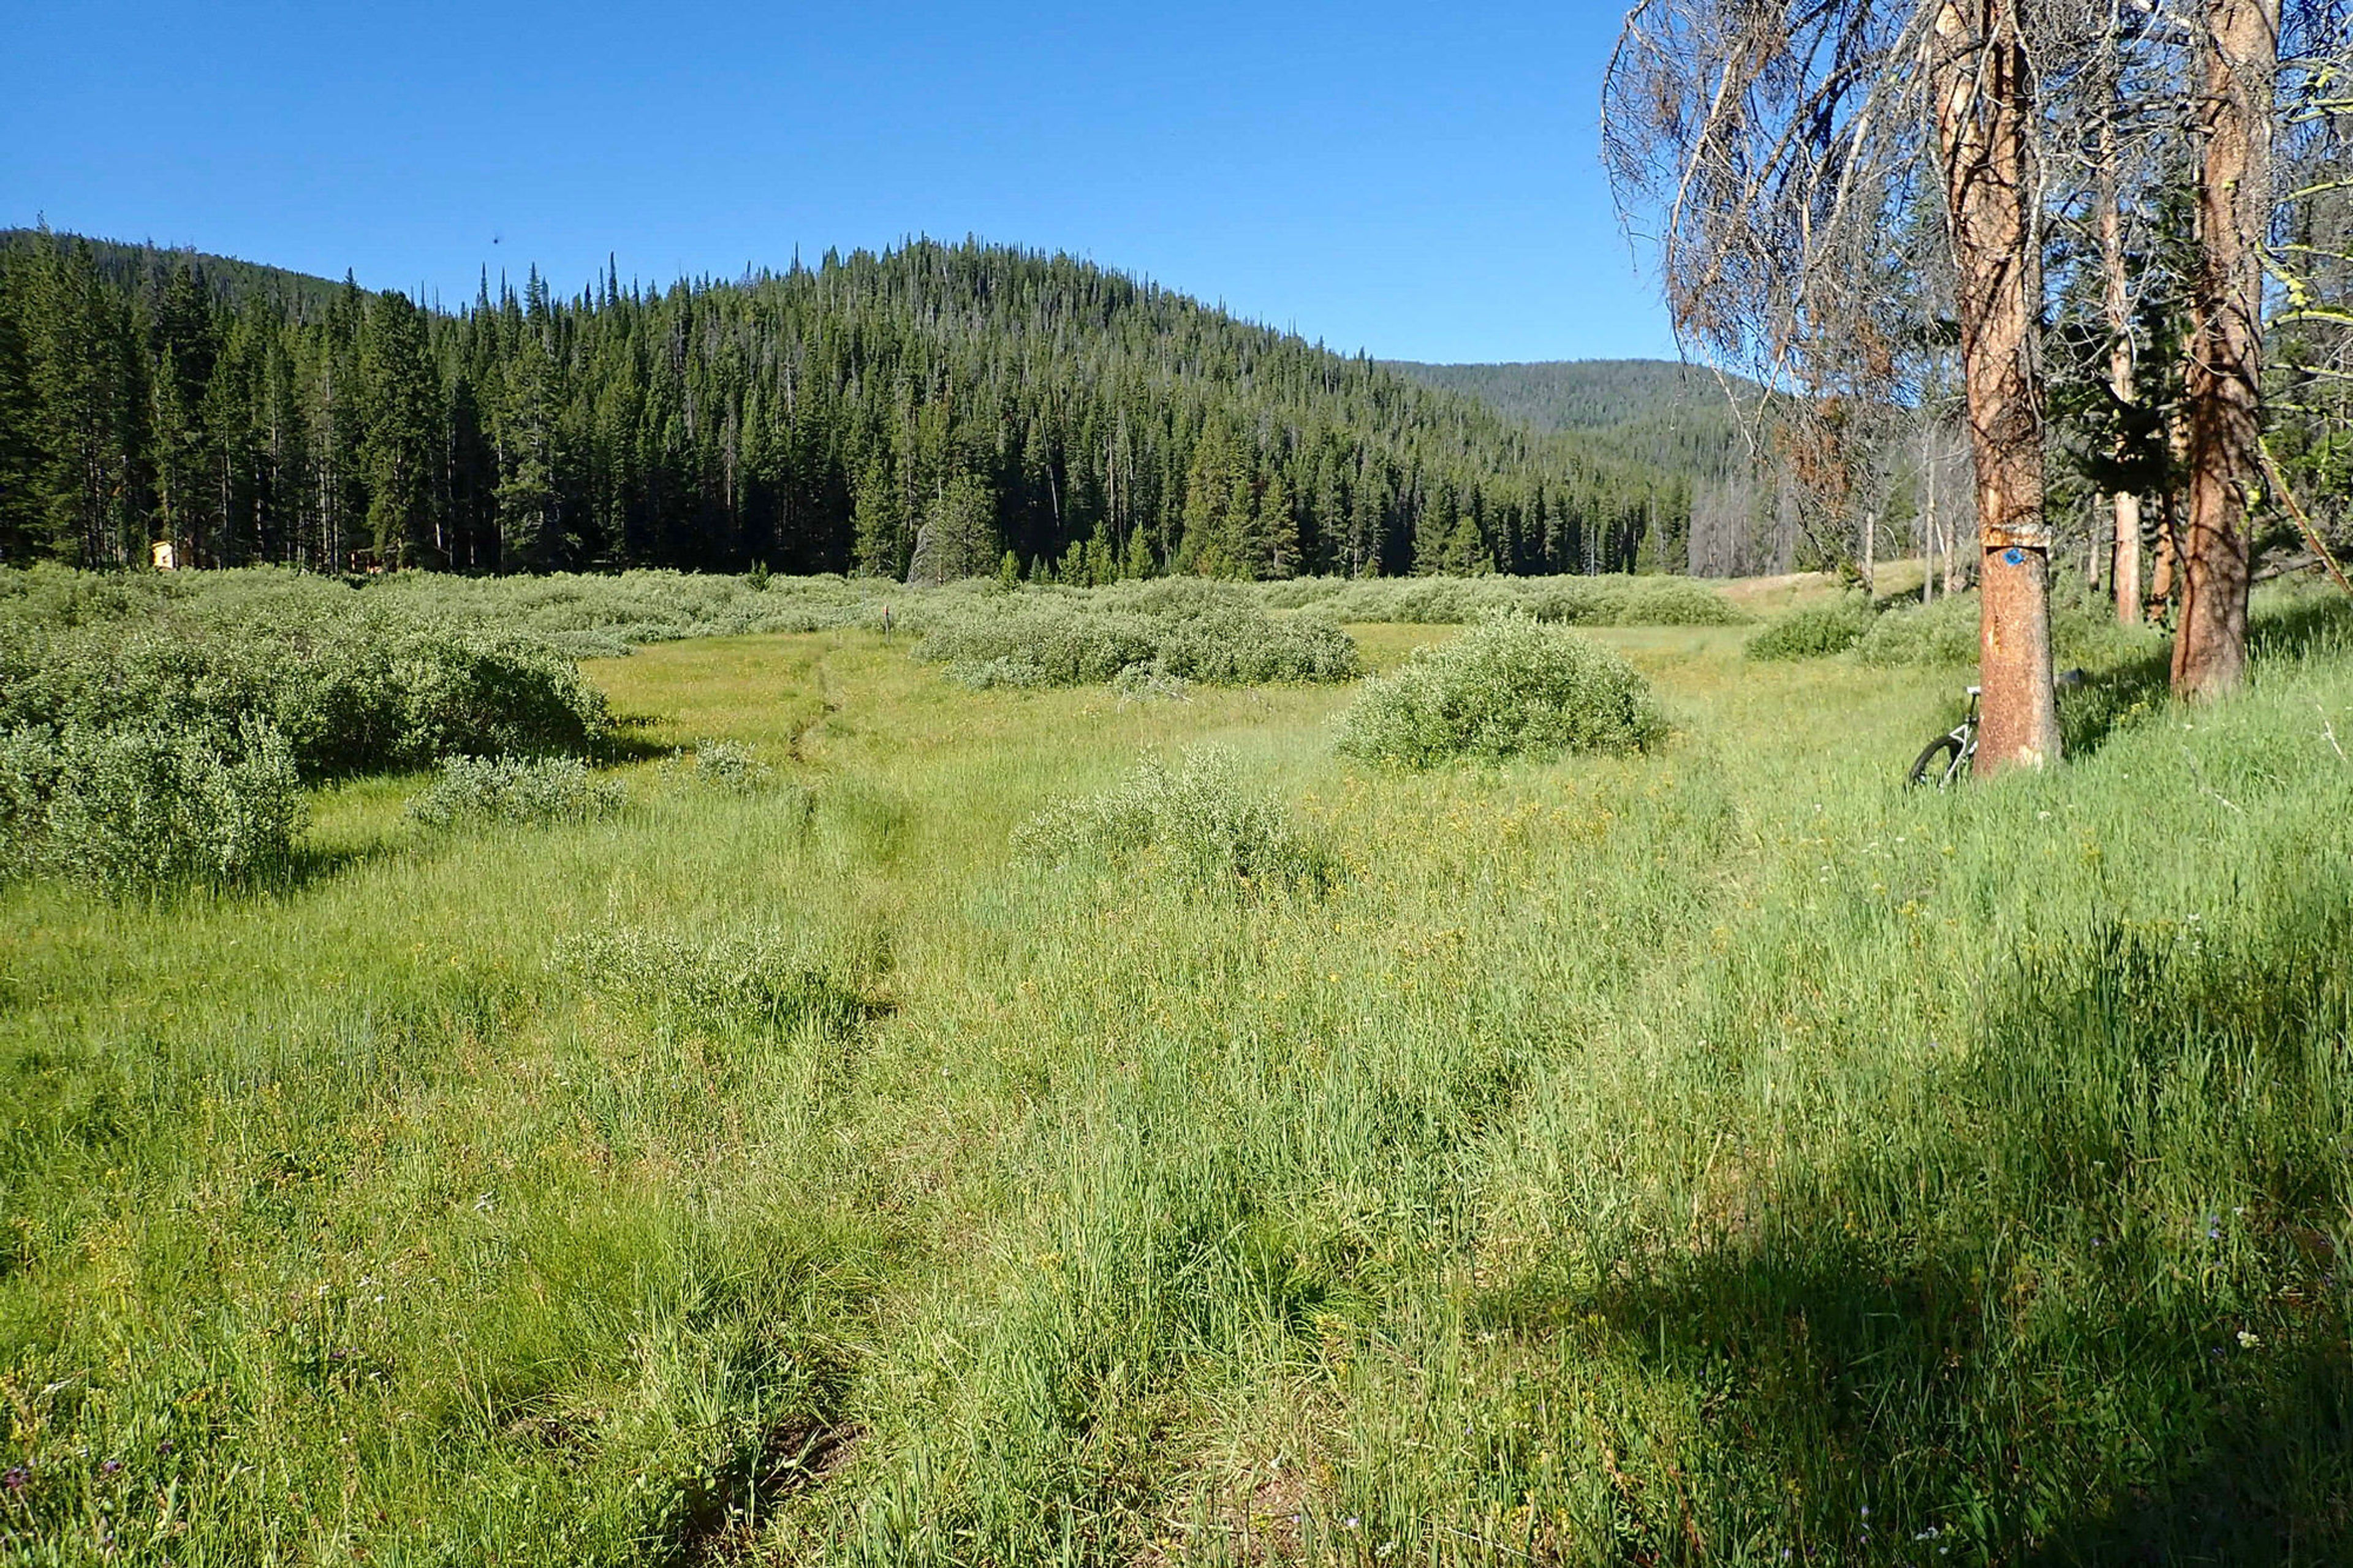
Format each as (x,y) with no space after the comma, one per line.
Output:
(1069,422)
(1662,412)
(145,267)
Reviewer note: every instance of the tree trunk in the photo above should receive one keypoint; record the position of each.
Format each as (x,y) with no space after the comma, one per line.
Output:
(2223,401)
(1928,514)
(2125,559)
(1984,98)
(2162,574)
(2124,555)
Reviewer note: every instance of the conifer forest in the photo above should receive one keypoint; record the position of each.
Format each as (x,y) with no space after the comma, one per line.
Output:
(811,420)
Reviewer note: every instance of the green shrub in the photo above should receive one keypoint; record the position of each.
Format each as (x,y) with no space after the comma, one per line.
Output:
(1507,687)
(352,689)
(1187,630)
(2084,630)
(1615,601)
(1150,683)
(136,809)
(729,765)
(515,790)
(757,978)
(1200,818)
(1814,633)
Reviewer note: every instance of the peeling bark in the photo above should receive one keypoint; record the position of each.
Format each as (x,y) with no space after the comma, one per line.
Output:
(2223,402)
(1984,102)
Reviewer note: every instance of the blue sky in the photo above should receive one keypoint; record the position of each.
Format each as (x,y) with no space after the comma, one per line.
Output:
(1406,179)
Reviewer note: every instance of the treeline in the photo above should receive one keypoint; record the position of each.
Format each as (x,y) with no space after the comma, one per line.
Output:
(931,408)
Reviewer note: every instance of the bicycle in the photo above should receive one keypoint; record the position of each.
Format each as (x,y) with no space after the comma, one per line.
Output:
(1947,757)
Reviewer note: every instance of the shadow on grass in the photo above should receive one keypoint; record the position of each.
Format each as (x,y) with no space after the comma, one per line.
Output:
(2006,1329)
(311,864)
(2111,698)
(624,740)
(2308,623)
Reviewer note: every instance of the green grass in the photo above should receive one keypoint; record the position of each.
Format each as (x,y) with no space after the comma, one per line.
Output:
(1649,1159)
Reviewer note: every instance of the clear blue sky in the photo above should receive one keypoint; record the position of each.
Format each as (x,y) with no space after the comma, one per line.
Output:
(1409,179)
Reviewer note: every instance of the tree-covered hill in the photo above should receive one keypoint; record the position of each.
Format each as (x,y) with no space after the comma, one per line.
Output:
(935,406)
(148,267)
(1659,412)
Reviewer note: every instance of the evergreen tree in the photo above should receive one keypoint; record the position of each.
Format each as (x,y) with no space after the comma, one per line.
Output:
(400,447)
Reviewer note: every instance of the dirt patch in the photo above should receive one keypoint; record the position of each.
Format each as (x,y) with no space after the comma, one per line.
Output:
(725,1520)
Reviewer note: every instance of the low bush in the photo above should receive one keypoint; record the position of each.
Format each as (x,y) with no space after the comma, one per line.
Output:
(1209,828)
(351,688)
(1614,601)
(1185,630)
(2084,630)
(1507,687)
(1814,633)
(137,809)
(515,790)
(1150,683)
(757,978)
(729,765)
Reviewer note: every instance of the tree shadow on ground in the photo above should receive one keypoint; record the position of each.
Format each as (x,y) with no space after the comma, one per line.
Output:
(2306,625)
(2108,699)
(626,741)
(1990,1333)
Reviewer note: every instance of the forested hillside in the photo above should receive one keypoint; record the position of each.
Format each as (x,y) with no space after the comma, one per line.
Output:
(926,410)
(1657,412)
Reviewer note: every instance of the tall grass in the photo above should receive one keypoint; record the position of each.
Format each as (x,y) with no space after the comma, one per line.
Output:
(1683,1156)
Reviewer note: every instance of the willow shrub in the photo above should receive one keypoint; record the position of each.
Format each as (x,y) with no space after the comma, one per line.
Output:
(1183,630)
(1813,633)
(135,810)
(1504,689)
(351,688)
(515,790)
(1198,819)
(2084,630)
(1612,601)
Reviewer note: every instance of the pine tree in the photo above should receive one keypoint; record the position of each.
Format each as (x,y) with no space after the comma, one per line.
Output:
(403,403)
(880,524)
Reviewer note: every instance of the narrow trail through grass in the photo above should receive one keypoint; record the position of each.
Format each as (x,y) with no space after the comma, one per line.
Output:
(1688,1157)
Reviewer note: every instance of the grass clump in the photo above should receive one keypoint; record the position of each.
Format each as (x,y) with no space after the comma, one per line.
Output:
(1508,688)
(1816,632)
(133,810)
(730,767)
(761,977)
(1199,818)
(514,790)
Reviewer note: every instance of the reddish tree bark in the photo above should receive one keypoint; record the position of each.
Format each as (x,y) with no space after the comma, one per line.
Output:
(1984,103)
(2222,400)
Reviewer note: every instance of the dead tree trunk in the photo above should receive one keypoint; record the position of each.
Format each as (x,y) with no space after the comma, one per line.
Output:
(2223,401)
(1983,103)
(2125,549)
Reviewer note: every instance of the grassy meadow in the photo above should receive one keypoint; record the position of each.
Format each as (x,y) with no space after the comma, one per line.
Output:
(1715,1154)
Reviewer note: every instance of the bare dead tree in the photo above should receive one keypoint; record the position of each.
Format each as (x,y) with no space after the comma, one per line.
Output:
(1790,157)
(2223,383)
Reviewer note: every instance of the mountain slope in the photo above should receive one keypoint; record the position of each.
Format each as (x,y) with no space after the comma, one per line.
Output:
(147,267)
(1657,412)
(1090,424)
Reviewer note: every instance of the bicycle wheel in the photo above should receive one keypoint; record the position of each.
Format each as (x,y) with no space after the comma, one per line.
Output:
(1940,764)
